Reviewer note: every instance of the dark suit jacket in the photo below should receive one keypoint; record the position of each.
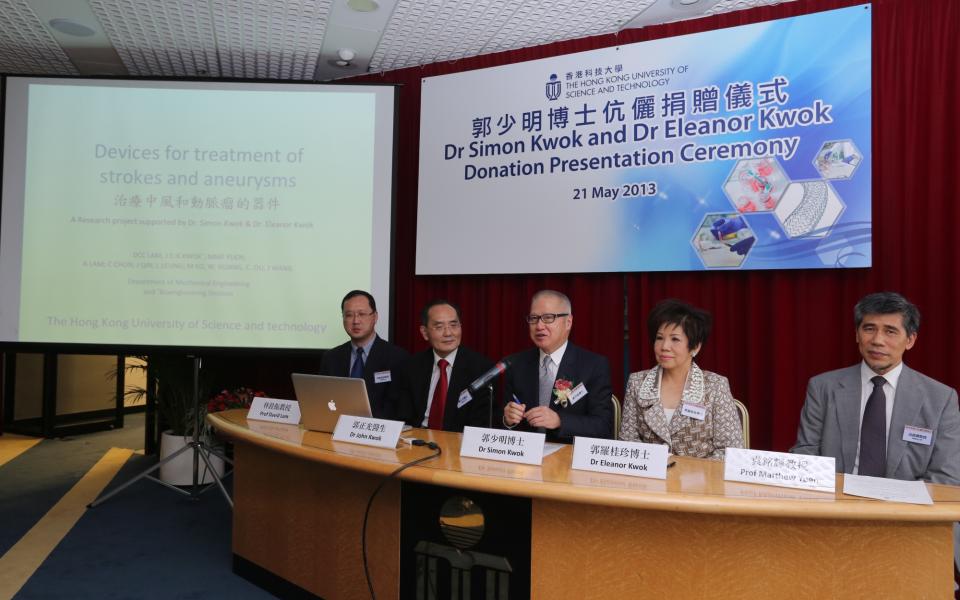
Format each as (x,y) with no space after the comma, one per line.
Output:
(384,356)
(591,416)
(413,387)
(830,425)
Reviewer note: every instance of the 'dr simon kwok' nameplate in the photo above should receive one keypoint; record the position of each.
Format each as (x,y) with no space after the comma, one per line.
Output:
(781,468)
(497,444)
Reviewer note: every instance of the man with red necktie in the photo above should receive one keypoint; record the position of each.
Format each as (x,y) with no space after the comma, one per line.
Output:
(431,388)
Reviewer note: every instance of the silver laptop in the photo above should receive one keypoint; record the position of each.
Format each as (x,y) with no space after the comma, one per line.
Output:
(323,399)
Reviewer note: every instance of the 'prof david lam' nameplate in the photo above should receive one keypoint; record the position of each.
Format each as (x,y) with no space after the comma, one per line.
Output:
(274,409)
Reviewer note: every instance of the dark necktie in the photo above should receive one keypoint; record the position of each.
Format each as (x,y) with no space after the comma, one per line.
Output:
(873,432)
(356,371)
(435,421)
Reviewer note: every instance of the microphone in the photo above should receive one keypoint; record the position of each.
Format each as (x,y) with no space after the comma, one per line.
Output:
(484,379)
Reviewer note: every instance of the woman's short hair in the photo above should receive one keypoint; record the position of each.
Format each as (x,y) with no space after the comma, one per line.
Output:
(694,322)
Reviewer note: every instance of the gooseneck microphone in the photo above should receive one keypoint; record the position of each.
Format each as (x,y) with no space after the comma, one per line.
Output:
(484,379)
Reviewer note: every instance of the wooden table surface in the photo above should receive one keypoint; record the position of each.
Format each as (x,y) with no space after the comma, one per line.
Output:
(692,486)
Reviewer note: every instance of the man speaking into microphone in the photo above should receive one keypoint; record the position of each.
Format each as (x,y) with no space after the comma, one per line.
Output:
(432,386)
(557,387)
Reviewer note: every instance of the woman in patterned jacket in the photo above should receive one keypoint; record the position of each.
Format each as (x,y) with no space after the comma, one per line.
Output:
(677,403)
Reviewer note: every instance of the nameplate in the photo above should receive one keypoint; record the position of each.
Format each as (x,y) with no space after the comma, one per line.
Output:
(622,458)
(498,444)
(782,469)
(281,431)
(367,431)
(272,409)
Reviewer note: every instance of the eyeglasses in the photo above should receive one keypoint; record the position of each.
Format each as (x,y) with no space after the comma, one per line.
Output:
(361,316)
(440,327)
(547,318)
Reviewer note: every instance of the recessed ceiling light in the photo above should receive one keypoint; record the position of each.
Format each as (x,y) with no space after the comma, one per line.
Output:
(71,27)
(363,5)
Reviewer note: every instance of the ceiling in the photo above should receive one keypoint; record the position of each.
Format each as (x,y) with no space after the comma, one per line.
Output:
(302,39)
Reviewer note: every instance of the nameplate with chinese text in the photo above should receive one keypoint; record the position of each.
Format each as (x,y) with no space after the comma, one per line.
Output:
(287,432)
(622,458)
(272,409)
(781,469)
(367,431)
(498,444)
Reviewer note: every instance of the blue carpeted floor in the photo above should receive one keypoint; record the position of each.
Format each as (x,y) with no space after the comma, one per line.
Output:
(146,542)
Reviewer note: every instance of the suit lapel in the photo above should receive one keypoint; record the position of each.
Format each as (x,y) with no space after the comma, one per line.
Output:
(451,419)
(649,400)
(848,415)
(369,365)
(907,403)
(693,392)
(421,383)
(567,369)
(528,376)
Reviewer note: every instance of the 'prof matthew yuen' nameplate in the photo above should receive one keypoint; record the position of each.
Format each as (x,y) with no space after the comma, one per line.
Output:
(496,444)
(369,432)
(272,409)
(622,458)
(780,468)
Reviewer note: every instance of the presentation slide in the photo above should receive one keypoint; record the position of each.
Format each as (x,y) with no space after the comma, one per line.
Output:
(740,148)
(189,214)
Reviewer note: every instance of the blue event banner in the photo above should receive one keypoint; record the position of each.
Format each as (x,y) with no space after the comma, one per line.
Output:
(739,148)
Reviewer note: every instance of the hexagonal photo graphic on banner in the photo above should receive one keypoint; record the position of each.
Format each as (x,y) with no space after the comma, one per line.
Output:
(837,159)
(809,209)
(723,240)
(755,184)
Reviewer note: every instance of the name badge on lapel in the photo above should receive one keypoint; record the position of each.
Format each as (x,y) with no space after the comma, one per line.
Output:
(578,392)
(381,377)
(464,398)
(694,411)
(918,435)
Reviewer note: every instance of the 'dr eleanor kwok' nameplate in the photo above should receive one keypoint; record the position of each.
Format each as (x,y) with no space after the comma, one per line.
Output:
(497,444)
(367,431)
(781,468)
(272,409)
(622,458)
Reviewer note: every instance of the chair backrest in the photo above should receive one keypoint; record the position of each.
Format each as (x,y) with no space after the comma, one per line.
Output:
(616,416)
(744,421)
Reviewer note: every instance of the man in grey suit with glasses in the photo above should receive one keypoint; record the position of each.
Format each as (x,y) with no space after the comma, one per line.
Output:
(880,417)
(556,387)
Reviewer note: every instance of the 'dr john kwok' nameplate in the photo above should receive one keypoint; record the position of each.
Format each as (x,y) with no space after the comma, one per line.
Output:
(497,444)
(781,468)
(381,433)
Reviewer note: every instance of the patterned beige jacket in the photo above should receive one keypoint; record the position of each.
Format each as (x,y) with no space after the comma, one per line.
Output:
(644,420)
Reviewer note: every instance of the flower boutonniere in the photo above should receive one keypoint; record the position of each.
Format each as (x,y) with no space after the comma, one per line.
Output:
(562,388)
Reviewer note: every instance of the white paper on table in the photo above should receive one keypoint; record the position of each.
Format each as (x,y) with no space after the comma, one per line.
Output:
(881,488)
(551,447)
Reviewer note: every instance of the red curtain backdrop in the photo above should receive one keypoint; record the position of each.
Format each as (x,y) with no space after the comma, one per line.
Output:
(773,329)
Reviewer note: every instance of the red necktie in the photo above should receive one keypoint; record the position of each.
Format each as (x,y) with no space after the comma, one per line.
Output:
(439,398)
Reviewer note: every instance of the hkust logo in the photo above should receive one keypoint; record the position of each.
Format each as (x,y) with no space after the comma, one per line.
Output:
(553,87)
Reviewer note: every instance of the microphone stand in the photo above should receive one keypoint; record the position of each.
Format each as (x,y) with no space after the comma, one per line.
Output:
(490,405)
(201,451)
